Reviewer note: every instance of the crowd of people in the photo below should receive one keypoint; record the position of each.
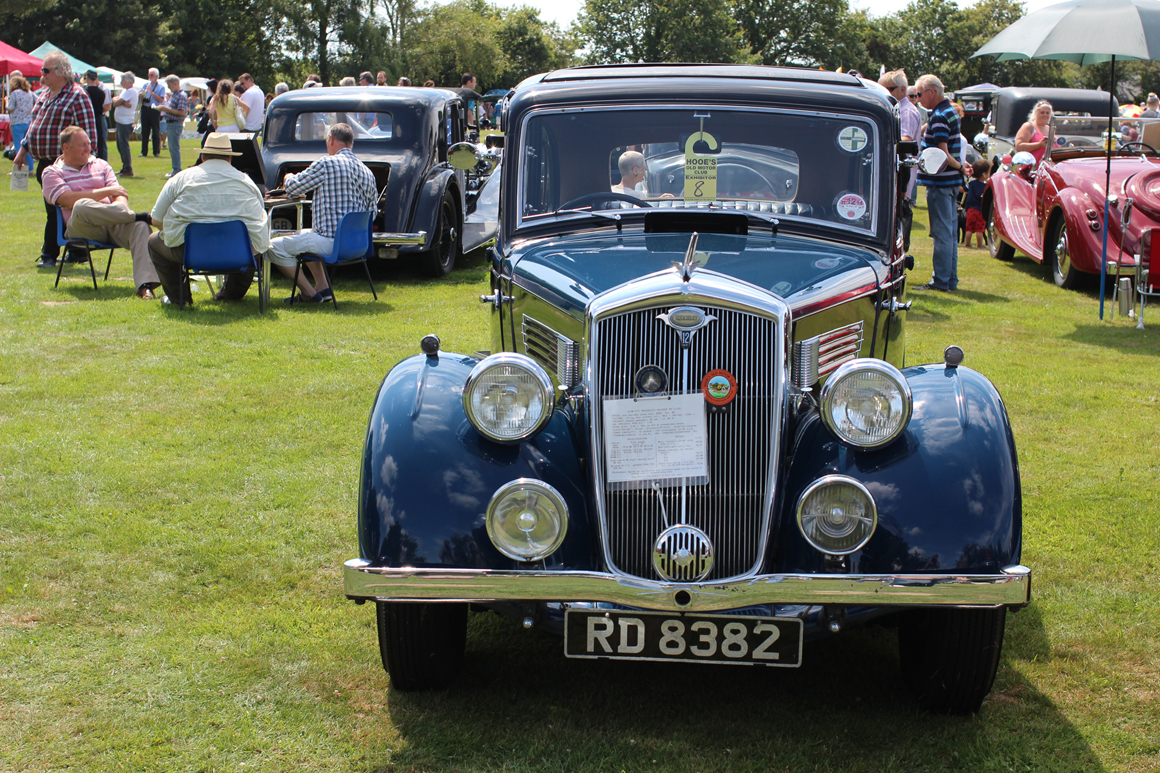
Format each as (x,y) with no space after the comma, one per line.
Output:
(79,185)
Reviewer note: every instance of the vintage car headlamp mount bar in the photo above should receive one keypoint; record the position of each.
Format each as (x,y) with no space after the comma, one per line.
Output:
(866,403)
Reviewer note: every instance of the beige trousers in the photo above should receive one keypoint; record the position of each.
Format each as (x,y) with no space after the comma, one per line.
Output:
(114,224)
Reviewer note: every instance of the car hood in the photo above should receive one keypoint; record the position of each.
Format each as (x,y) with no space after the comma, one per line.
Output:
(806,272)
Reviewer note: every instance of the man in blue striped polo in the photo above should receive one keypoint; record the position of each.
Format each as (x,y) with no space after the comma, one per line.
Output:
(942,189)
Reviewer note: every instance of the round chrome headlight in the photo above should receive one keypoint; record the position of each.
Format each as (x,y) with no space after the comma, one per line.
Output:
(866,403)
(508,397)
(837,515)
(527,519)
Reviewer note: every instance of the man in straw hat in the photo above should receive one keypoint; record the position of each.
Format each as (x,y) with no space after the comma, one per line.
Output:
(211,192)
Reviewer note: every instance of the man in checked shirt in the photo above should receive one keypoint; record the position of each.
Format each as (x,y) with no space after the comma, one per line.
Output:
(62,104)
(341,184)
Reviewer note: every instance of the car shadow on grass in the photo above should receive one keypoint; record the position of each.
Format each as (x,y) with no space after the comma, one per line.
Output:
(520,705)
(1122,335)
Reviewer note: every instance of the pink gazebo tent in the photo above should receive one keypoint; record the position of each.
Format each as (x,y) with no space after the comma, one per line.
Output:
(15,59)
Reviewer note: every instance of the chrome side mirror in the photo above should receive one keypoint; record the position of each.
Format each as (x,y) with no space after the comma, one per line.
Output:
(462,155)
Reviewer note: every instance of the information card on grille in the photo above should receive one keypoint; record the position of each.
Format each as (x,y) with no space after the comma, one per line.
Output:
(655,438)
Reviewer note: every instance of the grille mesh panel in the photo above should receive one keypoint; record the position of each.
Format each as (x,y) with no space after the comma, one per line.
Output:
(729,509)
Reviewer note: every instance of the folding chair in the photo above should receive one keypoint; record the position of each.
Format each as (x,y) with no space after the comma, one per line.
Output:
(86,245)
(219,248)
(1147,271)
(352,244)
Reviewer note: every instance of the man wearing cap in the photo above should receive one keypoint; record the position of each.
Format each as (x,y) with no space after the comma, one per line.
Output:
(61,104)
(174,110)
(211,192)
(95,206)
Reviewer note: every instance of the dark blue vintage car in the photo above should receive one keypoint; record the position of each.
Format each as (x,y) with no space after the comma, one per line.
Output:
(695,437)
(403,135)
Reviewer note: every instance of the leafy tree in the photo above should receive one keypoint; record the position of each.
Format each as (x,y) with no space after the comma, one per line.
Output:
(322,30)
(796,32)
(455,38)
(623,31)
(127,34)
(530,45)
(209,41)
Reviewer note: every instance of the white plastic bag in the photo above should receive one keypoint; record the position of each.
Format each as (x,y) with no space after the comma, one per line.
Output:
(19,178)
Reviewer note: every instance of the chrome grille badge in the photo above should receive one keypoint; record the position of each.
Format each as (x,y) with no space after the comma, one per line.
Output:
(683,554)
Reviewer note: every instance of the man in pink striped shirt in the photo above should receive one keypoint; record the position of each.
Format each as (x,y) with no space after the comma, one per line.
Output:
(95,206)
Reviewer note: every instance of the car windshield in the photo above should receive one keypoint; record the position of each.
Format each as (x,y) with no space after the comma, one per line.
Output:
(793,164)
(1091,132)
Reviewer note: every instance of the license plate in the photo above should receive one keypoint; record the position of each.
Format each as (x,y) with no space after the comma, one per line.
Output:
(620,635)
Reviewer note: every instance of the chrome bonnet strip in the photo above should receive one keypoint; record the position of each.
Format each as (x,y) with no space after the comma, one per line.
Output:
(1011,587)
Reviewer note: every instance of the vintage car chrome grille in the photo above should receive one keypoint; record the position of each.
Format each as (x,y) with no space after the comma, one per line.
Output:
(560,355)
(730,508)
(817,357)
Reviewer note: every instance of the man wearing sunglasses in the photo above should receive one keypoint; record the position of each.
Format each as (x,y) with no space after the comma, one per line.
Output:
(62,104)
(942,188)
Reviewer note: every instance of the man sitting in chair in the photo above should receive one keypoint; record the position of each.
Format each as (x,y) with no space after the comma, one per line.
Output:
(95,206)
(211,192)
(341,184)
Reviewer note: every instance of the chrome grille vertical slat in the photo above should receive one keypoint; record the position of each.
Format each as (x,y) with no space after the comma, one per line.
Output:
(730,508)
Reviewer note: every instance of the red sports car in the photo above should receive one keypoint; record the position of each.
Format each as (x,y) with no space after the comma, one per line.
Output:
(1054,212)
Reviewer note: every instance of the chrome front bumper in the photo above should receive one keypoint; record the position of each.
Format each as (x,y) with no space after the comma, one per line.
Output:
(1011,587)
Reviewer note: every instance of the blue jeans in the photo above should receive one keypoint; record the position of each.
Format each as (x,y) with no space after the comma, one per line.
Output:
(18,132)
(173,134)
(942,207)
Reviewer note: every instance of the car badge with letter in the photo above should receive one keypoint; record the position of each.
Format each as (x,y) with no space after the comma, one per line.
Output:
(686,320)
(719,387)
(651,380)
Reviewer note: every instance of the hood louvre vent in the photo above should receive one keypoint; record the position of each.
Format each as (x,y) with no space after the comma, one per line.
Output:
(817,357)
(560,355)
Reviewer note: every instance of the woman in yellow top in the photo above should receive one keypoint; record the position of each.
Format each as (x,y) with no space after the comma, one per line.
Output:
(223,108)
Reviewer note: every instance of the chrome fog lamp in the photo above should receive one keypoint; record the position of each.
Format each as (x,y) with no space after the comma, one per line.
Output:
(508,397)
(527,519)
(866,403)
(837,515)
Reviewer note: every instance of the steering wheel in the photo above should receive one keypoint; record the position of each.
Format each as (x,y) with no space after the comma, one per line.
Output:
(1140,145)
(603,196)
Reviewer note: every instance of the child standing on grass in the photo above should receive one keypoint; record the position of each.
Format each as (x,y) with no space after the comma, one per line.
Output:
(974,204)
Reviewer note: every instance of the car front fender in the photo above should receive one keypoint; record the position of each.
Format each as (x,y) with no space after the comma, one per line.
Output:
(427,475)
(947,490)
(1013,200)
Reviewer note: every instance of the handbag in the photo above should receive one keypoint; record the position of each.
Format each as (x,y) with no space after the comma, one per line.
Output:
(239,115)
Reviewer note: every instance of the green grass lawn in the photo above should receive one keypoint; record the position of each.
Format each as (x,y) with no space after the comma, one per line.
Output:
(177,495)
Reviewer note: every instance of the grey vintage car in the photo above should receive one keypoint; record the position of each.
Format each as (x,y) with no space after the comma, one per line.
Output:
(696,436)
(403,135)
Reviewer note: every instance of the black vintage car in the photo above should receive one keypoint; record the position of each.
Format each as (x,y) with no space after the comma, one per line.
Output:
(1010,108)
(695,437)
(403,135)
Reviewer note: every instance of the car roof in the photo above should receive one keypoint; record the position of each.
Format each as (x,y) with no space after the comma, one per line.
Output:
(746,84)
(344,96)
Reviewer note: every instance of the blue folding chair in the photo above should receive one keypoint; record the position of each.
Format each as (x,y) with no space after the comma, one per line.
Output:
(78,245)
(219,248)
(352,244)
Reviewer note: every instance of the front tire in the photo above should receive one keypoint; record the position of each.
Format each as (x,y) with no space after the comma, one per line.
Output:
(421,645)
(447,246)
(1057,254)
(949,657)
